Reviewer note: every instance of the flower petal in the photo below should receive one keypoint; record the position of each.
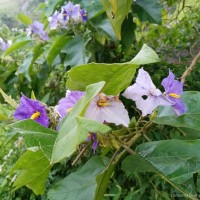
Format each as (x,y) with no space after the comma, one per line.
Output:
(151,103)
(68,102)
(28,107)
(143,87)
(113,113)
(171,85)
(179,107)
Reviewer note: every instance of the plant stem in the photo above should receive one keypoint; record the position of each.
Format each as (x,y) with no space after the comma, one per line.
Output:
(190,68)
(80,154)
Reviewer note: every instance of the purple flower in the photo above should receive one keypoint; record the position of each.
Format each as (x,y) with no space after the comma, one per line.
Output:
(70,13)
(73,11)
(107,109)
(173,90)
(37,29)
(65,15)
(44,36)
(84,15)
(93,137)
(67,103)
(146,96)
(31,109)
(4,45)
(54,20)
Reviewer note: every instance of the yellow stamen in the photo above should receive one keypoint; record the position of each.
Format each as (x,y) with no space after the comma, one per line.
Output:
(69,110)
(89,134)
(174,95)
(35,115)
(103,103)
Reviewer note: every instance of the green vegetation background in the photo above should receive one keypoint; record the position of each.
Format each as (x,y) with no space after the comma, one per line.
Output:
(176,41)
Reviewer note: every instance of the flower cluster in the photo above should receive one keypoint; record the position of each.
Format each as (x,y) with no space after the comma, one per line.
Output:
(109,109)
(147,97)
(69,13)
(5,45)
(37,28)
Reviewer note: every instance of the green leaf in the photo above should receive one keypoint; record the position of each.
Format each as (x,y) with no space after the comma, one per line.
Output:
(17,44)
(139,163)
(76,51)
(5,114)
(118,76)
(94,8)
(91,126)
(190,119)
(188,134)
(24,19)
(103,27)
(149,10)
(74,129)
(116,11)
(80,185)
(36,135)
(34,168)
(9,99)
(128,34)
(145,56)
(102,182)
(136,163)
(56,47)
(176,159)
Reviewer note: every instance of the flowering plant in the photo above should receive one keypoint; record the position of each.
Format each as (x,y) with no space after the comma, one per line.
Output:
(98,116)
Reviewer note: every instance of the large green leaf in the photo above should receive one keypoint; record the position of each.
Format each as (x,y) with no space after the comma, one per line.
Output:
(74,129)
(17,44)
(190,119)
(34,168)
(80,185)
(118,76)
(56,47)
(76,51)
(176,159)
(149,10)
(35,134)
(116,11)
(137,163)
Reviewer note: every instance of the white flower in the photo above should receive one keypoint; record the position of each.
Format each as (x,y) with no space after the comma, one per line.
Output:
(107,109)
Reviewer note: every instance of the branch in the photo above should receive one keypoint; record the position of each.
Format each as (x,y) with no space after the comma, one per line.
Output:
(80,154)
(190,68)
